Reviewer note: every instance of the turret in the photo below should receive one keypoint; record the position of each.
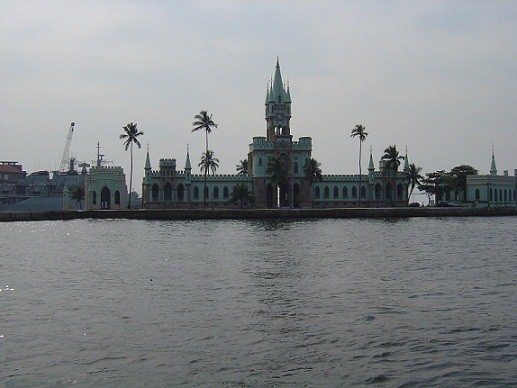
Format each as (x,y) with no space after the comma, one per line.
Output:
(188,169)
(493,168)
(278,107)
(406,163)
(371,167)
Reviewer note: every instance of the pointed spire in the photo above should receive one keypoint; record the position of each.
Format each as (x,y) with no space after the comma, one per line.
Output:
(493,168)
(278,85)
(147,159)
(187,161)
(406,162)
(371,166)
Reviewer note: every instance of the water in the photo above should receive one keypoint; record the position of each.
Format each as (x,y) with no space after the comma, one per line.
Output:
(415,302)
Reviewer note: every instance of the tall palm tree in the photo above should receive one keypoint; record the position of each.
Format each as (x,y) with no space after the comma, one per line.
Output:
(312,172)
(77,194)
(277,169)
(240,193)
(131,135)
(203,121)
(242,167)
(208,163)
(359,131)
(414,177)
(392,160)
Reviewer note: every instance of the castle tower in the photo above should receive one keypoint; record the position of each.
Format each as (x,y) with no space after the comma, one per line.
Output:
(278,107)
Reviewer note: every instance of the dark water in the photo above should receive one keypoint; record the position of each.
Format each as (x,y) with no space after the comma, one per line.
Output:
(417,302)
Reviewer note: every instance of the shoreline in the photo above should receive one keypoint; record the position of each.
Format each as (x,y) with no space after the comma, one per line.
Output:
(219,214)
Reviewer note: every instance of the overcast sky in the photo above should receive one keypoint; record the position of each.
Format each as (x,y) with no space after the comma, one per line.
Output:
(439,77)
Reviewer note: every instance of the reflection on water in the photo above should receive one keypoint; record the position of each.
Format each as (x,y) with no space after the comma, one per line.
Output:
(427,302)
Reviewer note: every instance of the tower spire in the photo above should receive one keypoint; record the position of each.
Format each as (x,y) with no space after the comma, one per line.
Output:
(493,168)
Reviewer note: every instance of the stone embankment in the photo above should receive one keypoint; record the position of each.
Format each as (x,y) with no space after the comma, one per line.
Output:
(201,214)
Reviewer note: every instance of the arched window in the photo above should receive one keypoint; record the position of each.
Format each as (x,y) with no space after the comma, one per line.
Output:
(167,192)
(94,198)
(354,192)
(117,197)
(225,192)
(336,192)
(491,196)
(296,167)
(196,192)
(345,192)
(377,191)
(205,192)
(477,195)
(363,192)
(400,190)
(154,193)
(495,194)
(505,195)
(216,192)
(326,192)
(260,162)
(388,190)
(181,192)
(317,192)
(500,195)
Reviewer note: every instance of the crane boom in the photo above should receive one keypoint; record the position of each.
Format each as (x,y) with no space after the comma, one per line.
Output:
(66,149)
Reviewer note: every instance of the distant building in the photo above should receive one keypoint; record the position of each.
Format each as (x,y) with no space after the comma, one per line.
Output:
(168,187)
(492,190)
(11,186)
(105,188)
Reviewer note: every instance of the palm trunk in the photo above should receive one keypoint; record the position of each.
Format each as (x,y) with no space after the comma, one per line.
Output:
(130,177)
(360,171)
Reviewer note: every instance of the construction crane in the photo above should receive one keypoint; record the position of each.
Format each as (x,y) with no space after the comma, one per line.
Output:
(66,149)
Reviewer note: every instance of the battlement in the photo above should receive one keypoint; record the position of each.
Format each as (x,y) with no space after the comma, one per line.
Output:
(233,177)
(106,168)
(168,162)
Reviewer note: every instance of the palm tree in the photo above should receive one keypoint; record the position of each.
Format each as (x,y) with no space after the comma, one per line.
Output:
(203,121)
(240,193)
(414,177)
(77,194)
(312,172)
(242,167)
(208,163)
(392,160)
(131,135)
(359,131)
(279,175)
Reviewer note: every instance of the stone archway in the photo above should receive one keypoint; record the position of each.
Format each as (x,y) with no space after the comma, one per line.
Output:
(105,198)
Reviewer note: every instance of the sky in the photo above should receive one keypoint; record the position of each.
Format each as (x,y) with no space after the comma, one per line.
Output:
(437,77)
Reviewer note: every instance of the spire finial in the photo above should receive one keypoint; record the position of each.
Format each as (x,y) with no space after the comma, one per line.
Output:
(147,147)
(371,150)
(277,62)
(187,148)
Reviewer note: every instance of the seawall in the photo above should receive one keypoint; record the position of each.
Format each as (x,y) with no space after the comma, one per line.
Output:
(202,214)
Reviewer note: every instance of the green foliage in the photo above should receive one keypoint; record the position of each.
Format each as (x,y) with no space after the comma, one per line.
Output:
(276,167)
(242,167)
(458,178)
(202,121)
(414,177)
(312,171)
(208,162)
(77,194)
(240,193)
(392,158)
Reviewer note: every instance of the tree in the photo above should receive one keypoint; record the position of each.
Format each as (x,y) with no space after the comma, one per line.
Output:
(436,183)
(202,121)
(359,131)
(392,160)
(240,193)
(312,172)
(242,167)
(414,177)
(77,194)
(458,178)
(277,169)
(131,135)
(208,163)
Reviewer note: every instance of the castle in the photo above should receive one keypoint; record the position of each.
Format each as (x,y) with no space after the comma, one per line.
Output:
(170,187)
